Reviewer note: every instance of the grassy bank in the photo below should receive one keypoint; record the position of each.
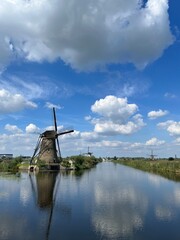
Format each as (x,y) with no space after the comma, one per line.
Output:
(169,169)
(73,162)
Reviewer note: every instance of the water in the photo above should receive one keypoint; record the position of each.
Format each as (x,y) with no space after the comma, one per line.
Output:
(110,201)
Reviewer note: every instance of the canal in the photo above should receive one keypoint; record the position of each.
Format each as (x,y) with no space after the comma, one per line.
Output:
(110,201)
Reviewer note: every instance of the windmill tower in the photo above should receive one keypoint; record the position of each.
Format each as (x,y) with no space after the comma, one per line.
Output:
(48,143)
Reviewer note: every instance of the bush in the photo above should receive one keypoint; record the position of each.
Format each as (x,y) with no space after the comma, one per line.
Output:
(81,162)
(66,164)
(10,165)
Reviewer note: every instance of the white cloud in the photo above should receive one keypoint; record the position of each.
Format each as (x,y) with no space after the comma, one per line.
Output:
(24,86)
(116,109)
(75,135)
(18,143)
(157,114)
(87,118)
(154,142)
(111,128)
(84,34)
(51,105)
(136,145)
(12,128)
(10,103)
(165,125)
(177,141)
(172,127)
(129,89)
(114,144)
(28,85)
(52,127)
(117,116)
(32,128)
(89,136)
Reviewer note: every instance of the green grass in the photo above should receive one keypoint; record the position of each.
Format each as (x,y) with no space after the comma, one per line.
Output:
(169,169)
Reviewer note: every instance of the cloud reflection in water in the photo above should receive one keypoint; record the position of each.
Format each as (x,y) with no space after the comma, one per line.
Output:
(119,210)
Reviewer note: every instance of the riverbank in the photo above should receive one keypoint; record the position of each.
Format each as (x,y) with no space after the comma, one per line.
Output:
(80,162)
(10,165)
(166,168)
(74,162)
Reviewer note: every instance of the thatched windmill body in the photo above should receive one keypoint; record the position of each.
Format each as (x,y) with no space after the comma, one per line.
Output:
(48,148)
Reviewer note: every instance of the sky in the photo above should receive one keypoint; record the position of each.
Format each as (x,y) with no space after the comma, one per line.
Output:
(111,69)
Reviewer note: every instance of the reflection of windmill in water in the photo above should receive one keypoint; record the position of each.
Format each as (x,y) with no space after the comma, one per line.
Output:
(46,148)
(45,191)
(45,186)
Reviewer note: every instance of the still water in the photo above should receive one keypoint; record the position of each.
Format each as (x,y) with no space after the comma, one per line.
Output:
(110,201)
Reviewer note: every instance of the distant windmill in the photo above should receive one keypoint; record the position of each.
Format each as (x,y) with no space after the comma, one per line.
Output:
(47,145)
(152,155)
(89,153)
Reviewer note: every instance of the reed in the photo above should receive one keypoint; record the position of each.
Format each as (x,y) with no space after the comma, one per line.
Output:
(155,166)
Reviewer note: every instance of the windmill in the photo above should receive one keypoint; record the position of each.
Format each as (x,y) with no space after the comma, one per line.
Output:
(88,153)
(152,155)
(47,145)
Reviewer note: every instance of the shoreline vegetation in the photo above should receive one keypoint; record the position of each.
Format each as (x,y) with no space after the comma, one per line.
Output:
(169,168)
(70,163)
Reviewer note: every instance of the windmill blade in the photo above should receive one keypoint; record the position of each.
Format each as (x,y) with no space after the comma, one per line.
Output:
(55,122)
(36,149)
(65,132)
(59,150)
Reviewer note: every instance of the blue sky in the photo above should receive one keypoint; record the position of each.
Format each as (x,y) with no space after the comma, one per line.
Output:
(111,69)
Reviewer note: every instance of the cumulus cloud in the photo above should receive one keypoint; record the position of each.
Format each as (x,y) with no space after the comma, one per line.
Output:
(154,142)
(84,34)
(32,128)
(12,128)
(117,116)
(10,103)
(172,127)
(111,128)
(116,109)
(157,114)
(165,125)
